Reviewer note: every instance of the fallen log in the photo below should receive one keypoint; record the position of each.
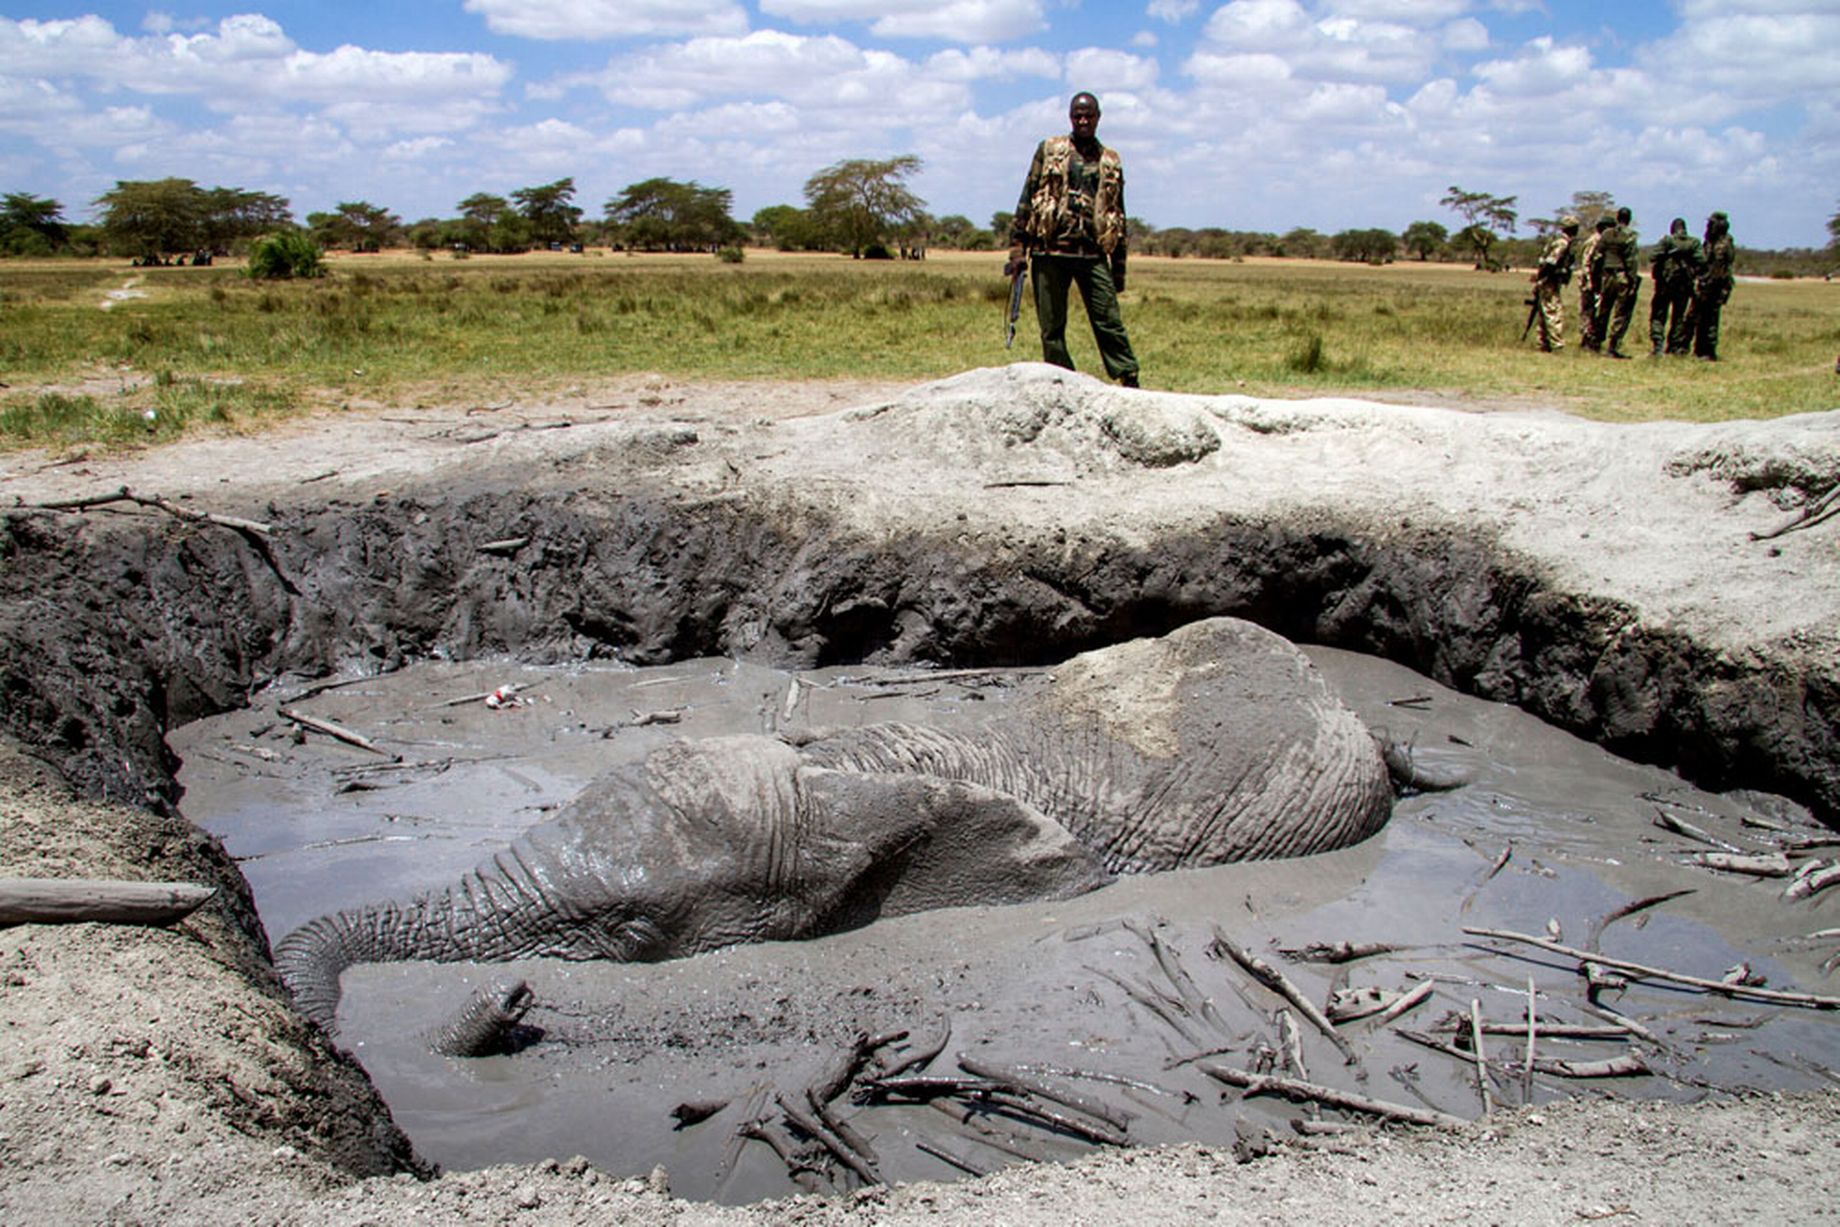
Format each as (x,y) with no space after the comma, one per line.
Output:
(1808,1000)
(337,732)
(1311,1092)
(1760,865)
(100,900)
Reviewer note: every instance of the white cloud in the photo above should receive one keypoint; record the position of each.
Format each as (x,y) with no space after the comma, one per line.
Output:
(1335,46)
(959,21)
(991,64)
(1542,67)
(1752,54)
(1098,70)
(820,73)
(1172,11)
(609,19)
(1407,12)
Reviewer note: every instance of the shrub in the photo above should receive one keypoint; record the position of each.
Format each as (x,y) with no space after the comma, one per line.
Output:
(730,255)
(277,257)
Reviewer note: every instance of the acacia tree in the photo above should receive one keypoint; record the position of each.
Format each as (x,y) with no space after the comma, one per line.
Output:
(31,225)
(1490,219)
(548,211)
(663,214)
(1833,228)
(1371,246)
(1423,238)
(149,218)
(860,202)
(356,224)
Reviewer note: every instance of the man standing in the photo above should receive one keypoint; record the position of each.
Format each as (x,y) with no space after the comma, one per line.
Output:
(1674,267)
(1549,281)
(1617,284)
(1071,216)
(1713,286)
(1586,264)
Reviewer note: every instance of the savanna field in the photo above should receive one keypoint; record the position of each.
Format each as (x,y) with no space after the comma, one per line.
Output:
(177,348)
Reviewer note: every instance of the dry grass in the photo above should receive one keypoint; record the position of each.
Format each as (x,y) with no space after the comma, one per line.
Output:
(209,345)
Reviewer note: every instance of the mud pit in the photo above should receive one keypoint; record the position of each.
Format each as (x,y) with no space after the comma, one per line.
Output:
(1604,578)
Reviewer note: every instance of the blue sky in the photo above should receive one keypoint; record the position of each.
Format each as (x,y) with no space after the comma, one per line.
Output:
(1251,114)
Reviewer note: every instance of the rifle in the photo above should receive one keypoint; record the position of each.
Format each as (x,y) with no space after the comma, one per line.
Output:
(1533,313)
(1015,303)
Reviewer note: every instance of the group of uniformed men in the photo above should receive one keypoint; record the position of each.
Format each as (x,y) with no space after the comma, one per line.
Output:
(1692,281)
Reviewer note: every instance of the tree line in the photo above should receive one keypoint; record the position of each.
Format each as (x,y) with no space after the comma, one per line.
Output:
(860,206)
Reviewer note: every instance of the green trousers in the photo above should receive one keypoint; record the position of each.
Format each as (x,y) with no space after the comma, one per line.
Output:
(1053,277)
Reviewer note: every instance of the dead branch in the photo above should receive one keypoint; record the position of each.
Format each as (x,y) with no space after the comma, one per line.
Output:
(507,547)
(1812,513)
(988,1134)
(125,495)
(1015,1079)
(101,900)
(1770,865)
(1628,1065)
(1813,881)
(945,1156)
(1678,826)
(1624,1022)
(483,695)
(1193,999)
(921,1057)
(1482,1063)
(1094,1075)
(1277,982)
(1808,1000)
(797,1167)
(1631,909)
(1150,1002)
(1025,1108)
(1310,1092)
(819,1132)
(1337,952)
(1406,1003)
(335,731)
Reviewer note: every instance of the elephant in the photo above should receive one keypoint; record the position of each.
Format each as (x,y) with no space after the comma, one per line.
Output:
(1216,742)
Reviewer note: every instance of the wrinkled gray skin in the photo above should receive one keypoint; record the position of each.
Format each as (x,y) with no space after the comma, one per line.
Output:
(1217,742)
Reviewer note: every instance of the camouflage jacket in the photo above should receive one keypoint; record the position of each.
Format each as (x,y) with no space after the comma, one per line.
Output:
(1616,252)
(1072,205)
(1676,262)
(1556,260)
(1586,259)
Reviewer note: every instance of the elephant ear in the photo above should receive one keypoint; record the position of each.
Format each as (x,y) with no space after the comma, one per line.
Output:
(909,843)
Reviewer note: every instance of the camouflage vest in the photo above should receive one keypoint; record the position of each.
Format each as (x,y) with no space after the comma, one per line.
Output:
(1050,209)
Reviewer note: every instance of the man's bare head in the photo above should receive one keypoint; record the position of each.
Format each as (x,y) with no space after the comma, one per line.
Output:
(1083,114)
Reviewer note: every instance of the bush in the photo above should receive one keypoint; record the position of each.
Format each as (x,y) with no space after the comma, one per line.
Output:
(730,255)
(277,257)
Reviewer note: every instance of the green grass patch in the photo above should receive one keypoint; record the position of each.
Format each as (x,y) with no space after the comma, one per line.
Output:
(384,327)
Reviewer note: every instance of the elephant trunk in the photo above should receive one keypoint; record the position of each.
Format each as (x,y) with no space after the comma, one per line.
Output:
(489,915)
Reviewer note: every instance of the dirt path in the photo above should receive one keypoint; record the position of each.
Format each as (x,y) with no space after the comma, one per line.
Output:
(157,1074)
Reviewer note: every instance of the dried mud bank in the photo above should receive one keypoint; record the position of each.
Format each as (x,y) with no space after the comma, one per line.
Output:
(1603,578)
(908,543)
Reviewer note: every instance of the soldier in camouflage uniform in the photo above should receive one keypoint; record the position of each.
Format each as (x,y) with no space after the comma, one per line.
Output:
(1586,264)
(1617,284)
(1674,267)
(1071,216)
(1549,281)
(1713,287)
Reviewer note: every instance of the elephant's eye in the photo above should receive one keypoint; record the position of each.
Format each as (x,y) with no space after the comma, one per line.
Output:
(632,939)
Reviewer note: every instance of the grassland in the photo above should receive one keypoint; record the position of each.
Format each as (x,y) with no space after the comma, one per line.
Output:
(207,345)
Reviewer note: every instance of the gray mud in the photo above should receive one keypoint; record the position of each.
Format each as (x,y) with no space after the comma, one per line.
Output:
(319,825)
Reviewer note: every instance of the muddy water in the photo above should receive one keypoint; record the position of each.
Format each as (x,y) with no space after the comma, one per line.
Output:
(319,824)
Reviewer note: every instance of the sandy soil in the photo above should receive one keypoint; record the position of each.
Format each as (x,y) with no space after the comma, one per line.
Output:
(158,1075)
